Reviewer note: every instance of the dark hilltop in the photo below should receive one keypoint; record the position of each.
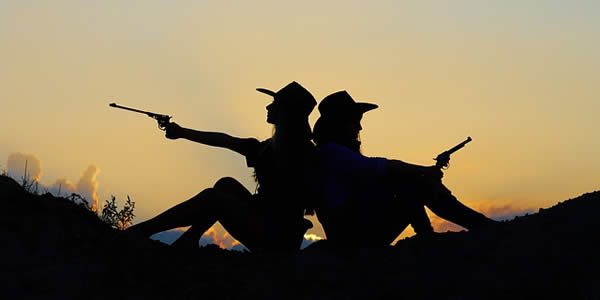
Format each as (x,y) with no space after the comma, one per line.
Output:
(53,248)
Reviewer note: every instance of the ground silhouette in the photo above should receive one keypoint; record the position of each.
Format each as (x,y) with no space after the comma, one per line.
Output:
(55,249)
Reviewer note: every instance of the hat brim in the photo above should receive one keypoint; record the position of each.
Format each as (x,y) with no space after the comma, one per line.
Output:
(266,91)
(363,107)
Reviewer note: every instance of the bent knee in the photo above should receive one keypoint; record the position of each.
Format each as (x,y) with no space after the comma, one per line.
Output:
(226,183)
(444,190)
(205,193)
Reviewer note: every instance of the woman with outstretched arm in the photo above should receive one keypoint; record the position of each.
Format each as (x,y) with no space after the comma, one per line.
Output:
(270,219)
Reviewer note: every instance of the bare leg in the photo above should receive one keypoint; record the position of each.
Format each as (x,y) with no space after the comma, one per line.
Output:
(420,222)
(403,211)
(280,230)
(237,215)
(232,211)
(200,209)
(413,194)
(191,237)
(405,205)
(441,202)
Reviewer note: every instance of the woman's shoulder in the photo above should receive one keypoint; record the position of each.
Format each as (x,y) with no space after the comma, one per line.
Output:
(265,142)
(332,147)
(251,143)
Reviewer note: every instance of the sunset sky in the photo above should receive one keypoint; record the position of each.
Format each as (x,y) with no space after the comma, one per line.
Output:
(522,78)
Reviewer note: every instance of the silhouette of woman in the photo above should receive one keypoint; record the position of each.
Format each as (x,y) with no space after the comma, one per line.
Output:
(375,196)
(272,219)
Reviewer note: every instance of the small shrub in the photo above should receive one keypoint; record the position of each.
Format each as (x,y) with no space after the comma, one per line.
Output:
(119,219)
(30,185)
(76,198)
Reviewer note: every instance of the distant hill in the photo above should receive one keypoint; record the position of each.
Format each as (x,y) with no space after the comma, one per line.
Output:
(55,249)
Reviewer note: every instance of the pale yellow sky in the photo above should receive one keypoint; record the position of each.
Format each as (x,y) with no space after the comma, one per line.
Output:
(520,77)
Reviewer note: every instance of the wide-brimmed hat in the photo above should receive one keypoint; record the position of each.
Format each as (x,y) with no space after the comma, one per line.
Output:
(340,105)
(293,96)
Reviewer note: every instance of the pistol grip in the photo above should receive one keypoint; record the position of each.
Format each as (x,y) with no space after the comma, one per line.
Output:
(442,161)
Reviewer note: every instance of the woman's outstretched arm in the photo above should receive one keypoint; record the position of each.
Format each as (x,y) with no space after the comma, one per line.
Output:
(399,168)
(216,139)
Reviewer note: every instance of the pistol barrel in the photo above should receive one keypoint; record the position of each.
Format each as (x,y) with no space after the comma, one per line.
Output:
(127,108)
(459,146)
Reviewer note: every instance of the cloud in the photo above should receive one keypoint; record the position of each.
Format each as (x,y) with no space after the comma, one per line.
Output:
(441,225)
(215,235)
(62,187)
(169,236)
(503,212)
(87,186)
(26,166)
(310,238)
(218,236)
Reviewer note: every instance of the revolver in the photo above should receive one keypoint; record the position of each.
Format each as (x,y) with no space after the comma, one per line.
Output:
(163,120)
(443,159)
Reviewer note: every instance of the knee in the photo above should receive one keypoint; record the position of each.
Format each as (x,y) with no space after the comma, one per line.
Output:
(226,183)
(437,187)
(444,190)
(203,195)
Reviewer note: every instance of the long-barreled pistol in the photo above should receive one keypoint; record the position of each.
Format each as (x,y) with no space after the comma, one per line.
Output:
(443,159)
(163,120)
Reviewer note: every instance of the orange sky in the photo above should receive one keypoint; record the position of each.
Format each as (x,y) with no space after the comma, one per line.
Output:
(520,77)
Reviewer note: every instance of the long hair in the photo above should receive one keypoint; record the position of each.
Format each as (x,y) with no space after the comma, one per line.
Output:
(294,154)
(289,134)
(328,130)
